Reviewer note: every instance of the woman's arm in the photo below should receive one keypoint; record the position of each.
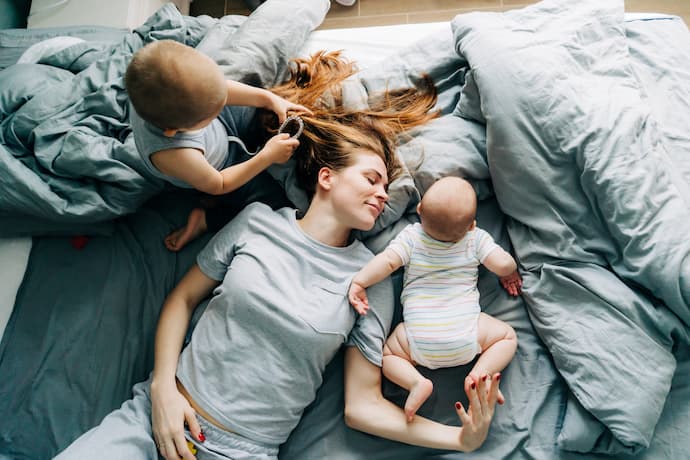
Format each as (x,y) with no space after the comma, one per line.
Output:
(367,410)
(174,321)
(169,409)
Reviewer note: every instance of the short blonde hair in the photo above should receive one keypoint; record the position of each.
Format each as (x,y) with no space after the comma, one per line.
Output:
(448,208)
(173,86)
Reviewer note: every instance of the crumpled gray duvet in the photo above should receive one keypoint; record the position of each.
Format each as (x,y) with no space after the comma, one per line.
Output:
(596,192)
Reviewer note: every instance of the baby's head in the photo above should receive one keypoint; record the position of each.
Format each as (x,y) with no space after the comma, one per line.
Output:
(175,87)
(448,209)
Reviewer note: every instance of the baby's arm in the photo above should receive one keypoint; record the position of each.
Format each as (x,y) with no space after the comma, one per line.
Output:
(378,269)
(503,264)
(190,166)
(241,94)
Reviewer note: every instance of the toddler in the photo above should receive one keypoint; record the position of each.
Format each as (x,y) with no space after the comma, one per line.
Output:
(187,116)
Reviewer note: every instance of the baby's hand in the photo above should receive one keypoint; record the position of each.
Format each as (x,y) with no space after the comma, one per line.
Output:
(512,283)
(279,148)
(282,106)
(358,298)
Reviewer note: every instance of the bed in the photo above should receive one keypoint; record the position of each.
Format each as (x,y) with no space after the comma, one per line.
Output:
(569,119)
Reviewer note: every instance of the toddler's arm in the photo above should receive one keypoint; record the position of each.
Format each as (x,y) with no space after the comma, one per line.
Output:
(378,269)
(241,94)
(190,165)
(503,264)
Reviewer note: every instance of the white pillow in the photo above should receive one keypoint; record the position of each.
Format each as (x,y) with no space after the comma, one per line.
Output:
(36,52)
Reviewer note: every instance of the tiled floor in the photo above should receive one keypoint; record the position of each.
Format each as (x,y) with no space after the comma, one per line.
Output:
(387,12)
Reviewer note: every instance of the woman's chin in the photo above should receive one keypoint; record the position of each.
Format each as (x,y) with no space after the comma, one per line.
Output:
(365,226)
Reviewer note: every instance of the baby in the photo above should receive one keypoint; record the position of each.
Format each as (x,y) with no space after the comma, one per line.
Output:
(182,126)
(443,325)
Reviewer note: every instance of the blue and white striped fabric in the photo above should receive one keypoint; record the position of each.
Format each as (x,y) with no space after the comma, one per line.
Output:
(440,297)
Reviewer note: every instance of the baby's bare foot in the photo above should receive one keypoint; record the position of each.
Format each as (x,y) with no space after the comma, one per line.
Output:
(419,393)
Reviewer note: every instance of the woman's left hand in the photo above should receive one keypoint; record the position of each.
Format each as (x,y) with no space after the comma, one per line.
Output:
(477,419)
(282,106)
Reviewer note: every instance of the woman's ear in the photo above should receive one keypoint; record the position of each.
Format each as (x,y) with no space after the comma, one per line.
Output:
(325,178)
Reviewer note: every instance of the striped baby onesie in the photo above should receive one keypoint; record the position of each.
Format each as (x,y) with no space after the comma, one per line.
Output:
(440,297)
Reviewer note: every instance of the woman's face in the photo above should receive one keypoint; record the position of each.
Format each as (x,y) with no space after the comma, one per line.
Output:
(359,191)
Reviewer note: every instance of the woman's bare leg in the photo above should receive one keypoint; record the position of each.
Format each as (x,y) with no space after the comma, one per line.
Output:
(398,368)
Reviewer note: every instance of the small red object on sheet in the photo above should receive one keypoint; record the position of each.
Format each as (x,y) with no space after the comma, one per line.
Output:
(79,242)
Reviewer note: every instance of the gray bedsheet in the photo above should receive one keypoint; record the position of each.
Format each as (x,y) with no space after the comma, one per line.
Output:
(66,150)
(598,210)
(603,364)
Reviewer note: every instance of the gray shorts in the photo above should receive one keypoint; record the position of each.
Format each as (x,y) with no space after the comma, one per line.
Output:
(126,433)
(221,444)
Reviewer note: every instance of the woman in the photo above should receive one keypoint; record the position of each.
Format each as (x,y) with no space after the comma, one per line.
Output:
(279,314)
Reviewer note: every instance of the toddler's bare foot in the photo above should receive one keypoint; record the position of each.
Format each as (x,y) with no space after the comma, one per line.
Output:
(419,393)
(196,225)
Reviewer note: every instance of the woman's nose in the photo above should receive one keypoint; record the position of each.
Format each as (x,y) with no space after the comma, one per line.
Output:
(381,194)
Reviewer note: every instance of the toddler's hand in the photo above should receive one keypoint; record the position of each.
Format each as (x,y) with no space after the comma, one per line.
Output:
(282,106)
(279,148)
(512,283)
(358,298)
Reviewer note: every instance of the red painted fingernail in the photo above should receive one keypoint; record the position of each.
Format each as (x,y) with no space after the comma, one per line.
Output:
(202,438)
(498,377)
(458,406)
(79,242)
(473,385)
(484,379)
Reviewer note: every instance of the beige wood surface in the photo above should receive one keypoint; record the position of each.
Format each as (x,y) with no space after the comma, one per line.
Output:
(387,12)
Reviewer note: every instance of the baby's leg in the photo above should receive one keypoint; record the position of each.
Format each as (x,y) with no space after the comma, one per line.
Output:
(498,343)
(398,368)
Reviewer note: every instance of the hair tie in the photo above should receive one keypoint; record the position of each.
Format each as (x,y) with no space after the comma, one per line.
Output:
(286,126)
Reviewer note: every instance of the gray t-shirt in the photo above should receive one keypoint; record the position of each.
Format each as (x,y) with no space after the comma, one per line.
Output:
(280,314)
(212,140)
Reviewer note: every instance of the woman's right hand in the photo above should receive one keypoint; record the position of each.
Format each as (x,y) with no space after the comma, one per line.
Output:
(169,413)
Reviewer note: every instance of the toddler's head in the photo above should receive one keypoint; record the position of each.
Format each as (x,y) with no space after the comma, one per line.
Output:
(175,87)
(448,209)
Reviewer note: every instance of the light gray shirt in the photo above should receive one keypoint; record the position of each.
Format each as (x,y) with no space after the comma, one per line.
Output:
(280,314)
(217,141)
